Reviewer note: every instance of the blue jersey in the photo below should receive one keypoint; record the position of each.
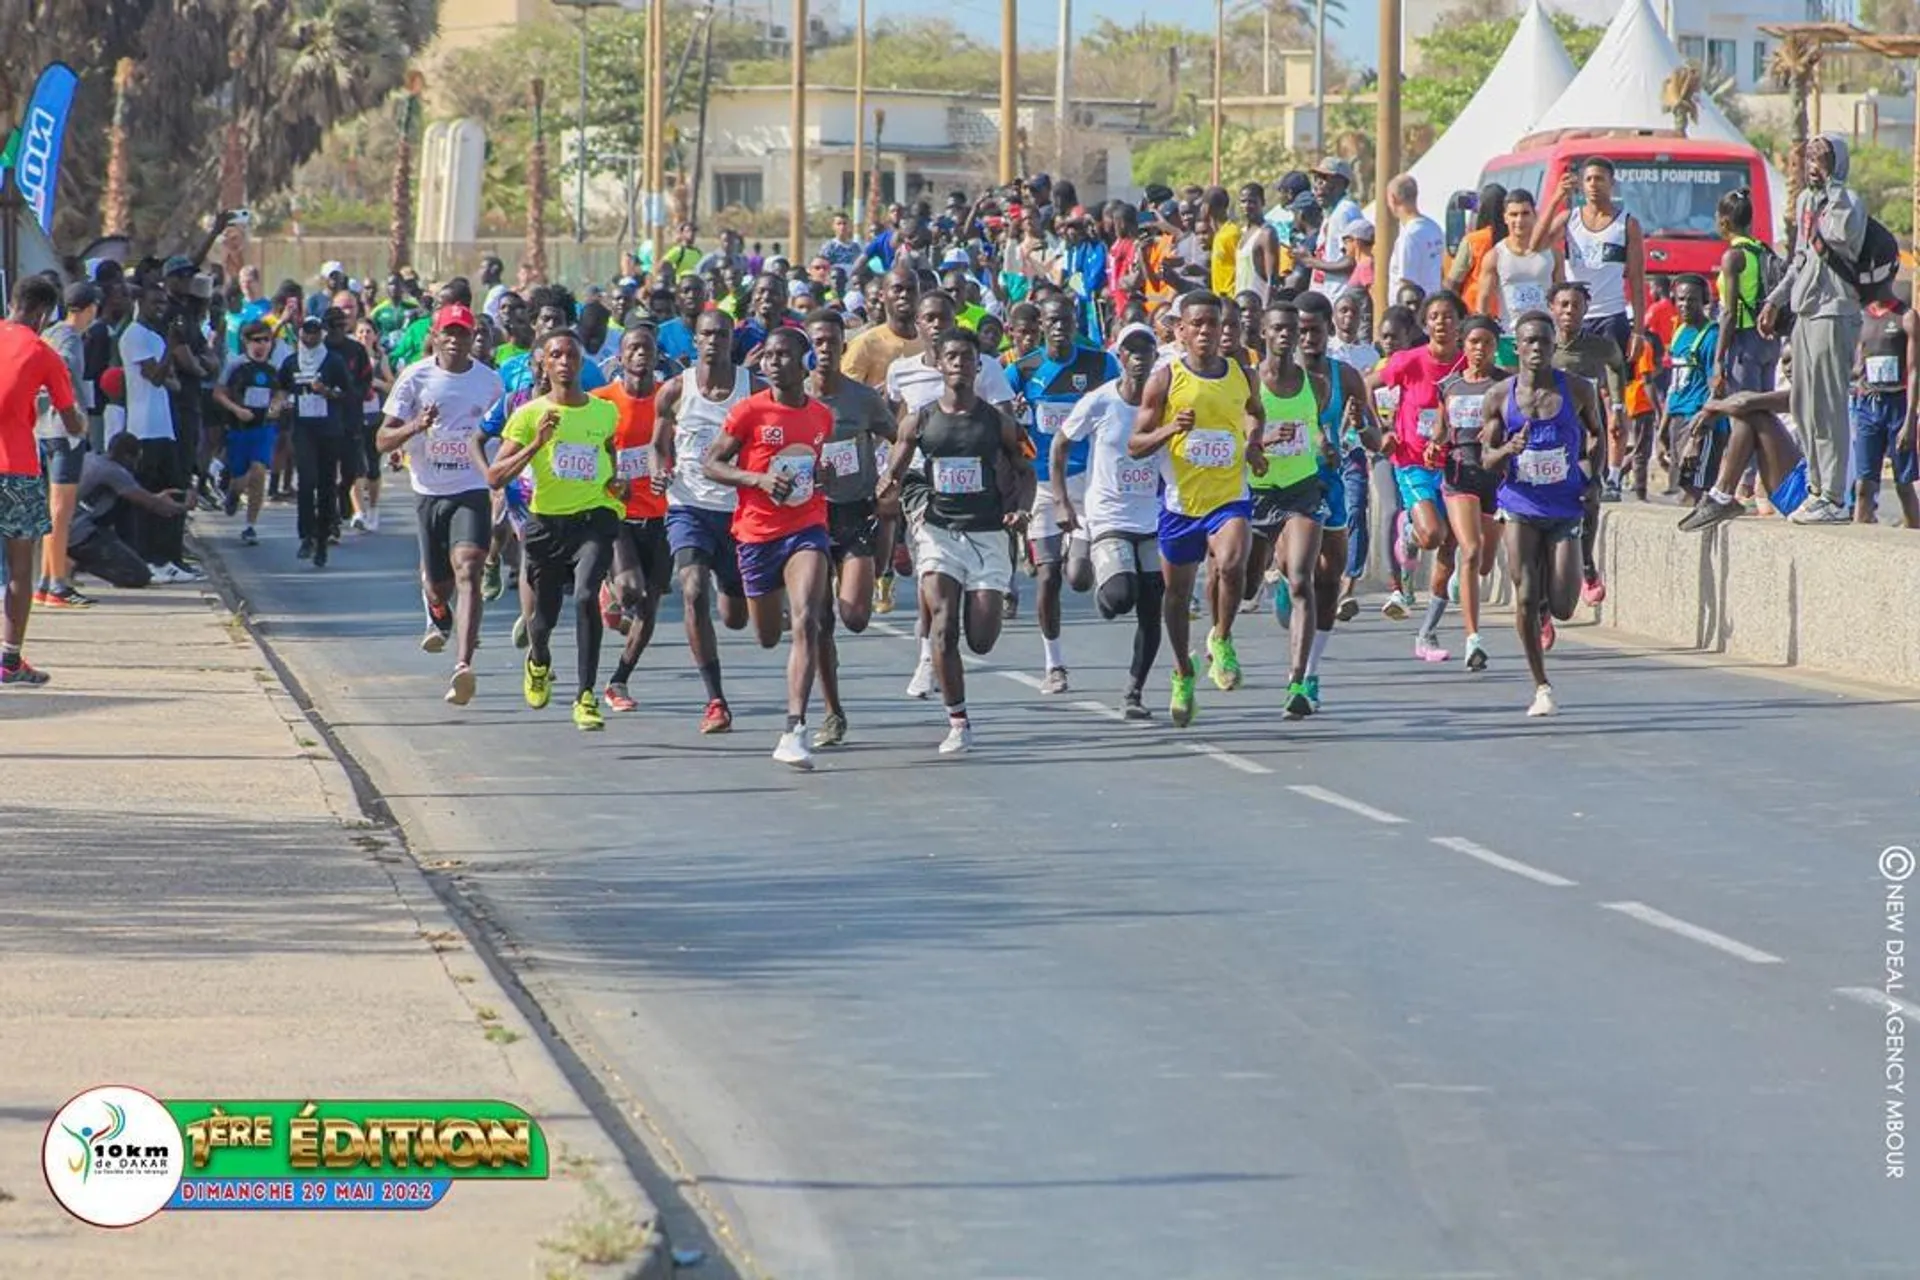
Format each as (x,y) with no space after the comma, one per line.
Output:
(1051,389)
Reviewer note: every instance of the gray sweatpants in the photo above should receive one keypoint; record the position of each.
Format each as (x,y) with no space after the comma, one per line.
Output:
(1822,363)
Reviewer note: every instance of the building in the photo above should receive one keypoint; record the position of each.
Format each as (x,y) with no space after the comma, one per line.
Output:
(469,22)
(921,142)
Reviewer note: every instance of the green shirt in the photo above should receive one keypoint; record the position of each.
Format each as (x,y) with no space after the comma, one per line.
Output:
(1297,458)
(572,471)
(507,351)
(390,317)
(411,342)
(1597,359)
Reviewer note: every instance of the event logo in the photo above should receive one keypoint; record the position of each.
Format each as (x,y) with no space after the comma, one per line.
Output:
(113,1156)
(35,169)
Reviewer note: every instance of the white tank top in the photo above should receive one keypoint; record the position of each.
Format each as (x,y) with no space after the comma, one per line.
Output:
(1246,275)
(1525,280)
(696,425)
(1598,259)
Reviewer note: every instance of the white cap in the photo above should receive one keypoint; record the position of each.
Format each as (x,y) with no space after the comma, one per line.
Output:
(329,268)
(1128,331)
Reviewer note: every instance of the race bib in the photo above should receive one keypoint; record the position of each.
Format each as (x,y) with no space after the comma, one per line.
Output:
(1466,412)
(1428,424)
(1289,439)
(1212,449)
(632,464)
(575,462)
(1883,371)
(1048,416)
(1541,466)
(958,475)
(882,456)
(1525,297)
(258,397)
(1386,401)
(311,406)
(449,450)
(1137,479)
(797,467)
(842,457)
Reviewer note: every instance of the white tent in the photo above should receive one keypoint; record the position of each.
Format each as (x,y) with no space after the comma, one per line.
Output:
(1620,88)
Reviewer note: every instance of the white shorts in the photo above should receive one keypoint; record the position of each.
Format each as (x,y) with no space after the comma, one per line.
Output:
(1046,518)
(1115,553)
(977,561)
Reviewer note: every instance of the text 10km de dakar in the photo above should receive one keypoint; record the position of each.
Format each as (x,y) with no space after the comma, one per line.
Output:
(342,1139)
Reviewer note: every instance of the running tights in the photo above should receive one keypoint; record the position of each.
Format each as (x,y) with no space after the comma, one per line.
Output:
(580,546)
(1144,594)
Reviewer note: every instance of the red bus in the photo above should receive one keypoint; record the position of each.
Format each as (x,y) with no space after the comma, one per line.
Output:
(1671,184)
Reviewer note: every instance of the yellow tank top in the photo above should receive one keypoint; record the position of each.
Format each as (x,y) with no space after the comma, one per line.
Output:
(1206,468)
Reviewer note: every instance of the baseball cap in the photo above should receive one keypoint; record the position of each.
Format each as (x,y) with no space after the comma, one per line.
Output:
(956,257)
(178,265)
(80,295)
(453,316)
(1334,167)
(1136,329)
(313,323)
(1360,229)
(332,268)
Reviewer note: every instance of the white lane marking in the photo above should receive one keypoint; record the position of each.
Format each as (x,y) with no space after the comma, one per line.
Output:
(1020,677)
(889,629)
(1102,709)
(1460,844)
(1415,1086)
(1339,801)
(1706,937)
(1226,758)
(1879,1000)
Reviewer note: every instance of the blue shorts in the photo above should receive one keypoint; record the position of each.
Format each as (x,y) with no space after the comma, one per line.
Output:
(60,459)
(1877,417)
(763,565)
(1183,539)
(1791,492)
(698,536)
(247,446)
(1333,505)
(1417,485)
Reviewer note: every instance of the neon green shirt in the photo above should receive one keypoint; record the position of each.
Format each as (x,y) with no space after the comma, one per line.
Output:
(572,471)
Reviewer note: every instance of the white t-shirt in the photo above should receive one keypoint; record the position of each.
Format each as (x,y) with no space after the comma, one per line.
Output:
(1417,255)
(1123,493)
(149,413)
(1361,356)
(1331,284)
(917,384)
(443,462)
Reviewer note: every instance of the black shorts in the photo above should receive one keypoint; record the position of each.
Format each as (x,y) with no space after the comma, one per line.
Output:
(1272,508)
(459,519)
(853,528)
(1471,480)
(554,545)
(369,453)
(641,549)
(1553,529)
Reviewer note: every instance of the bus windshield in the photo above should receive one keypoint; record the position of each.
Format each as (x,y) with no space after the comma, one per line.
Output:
(1677,198)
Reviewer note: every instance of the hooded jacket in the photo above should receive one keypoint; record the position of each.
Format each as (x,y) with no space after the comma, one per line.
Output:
(1813,286)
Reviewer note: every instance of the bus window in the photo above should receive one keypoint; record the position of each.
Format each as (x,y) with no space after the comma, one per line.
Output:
(1676,199)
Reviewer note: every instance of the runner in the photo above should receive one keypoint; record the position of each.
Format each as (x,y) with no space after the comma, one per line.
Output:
(1471,490)
(1398,331)
(1051,381)
(781,523)
(869,357)
(689,412)
(1200,415)
(1289,497)
(860,451)
(251,397)
(1539,427)
(978,485)
(1121,507)
(434,413)
(1418,450)
(567,439)
(642,564)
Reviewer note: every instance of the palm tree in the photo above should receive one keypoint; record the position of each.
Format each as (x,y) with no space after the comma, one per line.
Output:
(536,253)
(400,229)
(1680,95)
(114,205)
(1794,66)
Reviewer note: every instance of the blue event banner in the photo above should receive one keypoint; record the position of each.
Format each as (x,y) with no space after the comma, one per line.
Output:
(309,1193)
(42,137)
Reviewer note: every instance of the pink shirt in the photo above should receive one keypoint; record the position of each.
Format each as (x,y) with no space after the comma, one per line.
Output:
(1416,424)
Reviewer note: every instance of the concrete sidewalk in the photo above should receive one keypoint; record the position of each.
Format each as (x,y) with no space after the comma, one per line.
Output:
(193,904)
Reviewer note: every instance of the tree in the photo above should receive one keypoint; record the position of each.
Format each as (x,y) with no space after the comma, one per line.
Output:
(1246,155)
(1680,95)
(1460,54)
(400,229)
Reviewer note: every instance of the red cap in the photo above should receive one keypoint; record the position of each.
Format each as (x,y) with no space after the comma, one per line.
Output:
(453,316)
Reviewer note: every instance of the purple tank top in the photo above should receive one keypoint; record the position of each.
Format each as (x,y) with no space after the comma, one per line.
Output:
(1544,481)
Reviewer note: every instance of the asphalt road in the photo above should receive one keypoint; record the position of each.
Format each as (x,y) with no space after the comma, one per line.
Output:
(1416,988)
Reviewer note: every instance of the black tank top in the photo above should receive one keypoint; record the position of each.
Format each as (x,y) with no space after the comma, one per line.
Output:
(1883,350)
(1464,400)
(960,460)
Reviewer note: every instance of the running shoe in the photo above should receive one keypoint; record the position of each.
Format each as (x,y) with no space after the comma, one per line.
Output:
(1299,705)
(618,699)
(1547,634)
(460,689)
(1223,666)
(373,520)
(520,631)
(1610,491)
(26,675)
(1709,513)
(1010,606)
(1347,610)
(1283,603)
(586,712)
(1180,706)
(184,572)
(792,749)
(718,718)
(1056,680)
(1593,588)
(232,504)
(436,639)
(1543,703)
(1133,708)
(320,555)
(833,731)
(63,596)
(1426,650)
(1396,606)
(1312,684)
(883,595)
(923,681)
(1476,656)
(538,685)
(959,739)
(1819,511)
(358,524)
(248,538)
(306,550)
(491,588)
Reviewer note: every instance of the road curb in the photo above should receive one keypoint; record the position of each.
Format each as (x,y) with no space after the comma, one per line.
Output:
(355,800)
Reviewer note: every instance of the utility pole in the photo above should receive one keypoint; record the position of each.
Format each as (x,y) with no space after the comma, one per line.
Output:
(1386,153)
(656,125)
(1009,89)
(700,146)
(859,119)
(1219,77)
(1061,77)
(580,143)
(1320,77)
(797,183)
(1266,51)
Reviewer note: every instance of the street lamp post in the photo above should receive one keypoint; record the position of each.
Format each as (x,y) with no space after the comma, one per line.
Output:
(580,141)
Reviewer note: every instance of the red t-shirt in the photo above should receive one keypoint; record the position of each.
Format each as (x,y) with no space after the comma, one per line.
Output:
(634,441)
(28,366)
(1662,319)
(1416,425)
(776,437)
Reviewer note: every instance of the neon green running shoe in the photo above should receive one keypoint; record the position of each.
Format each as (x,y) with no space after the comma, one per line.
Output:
(1224,669)
(538,685)
(586,712)
(1180,708)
